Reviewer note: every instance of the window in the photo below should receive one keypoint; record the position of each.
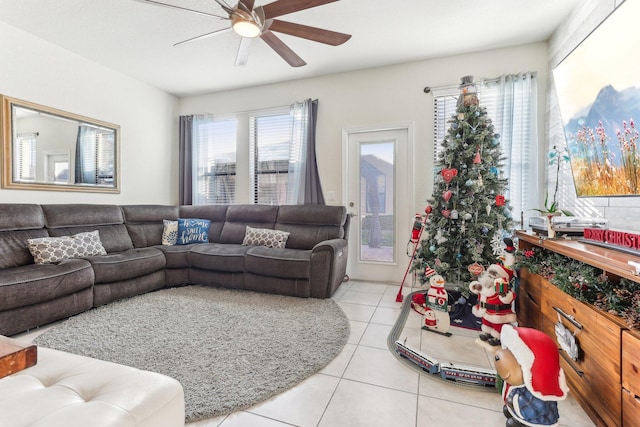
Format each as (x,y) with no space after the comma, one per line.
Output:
(272,144)
(214,160)
(95,156)
(26,157)
(511,104)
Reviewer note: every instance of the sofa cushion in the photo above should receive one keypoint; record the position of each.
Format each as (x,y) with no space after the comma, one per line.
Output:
(14,249)
(32,284)
(65,389)
(65,220)
(176,255)
(193,230)
(239,216)
(274,262)
(54,249)
(214,213)
(17,216)
(265,237)
(310,225)
(126,265)
(145,223)
(218,257)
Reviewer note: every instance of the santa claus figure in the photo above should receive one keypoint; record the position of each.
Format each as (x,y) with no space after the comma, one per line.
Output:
(495,298)
(416,230)
(529,363)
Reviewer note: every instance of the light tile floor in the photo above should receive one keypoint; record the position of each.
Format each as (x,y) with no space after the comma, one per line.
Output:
(366,385)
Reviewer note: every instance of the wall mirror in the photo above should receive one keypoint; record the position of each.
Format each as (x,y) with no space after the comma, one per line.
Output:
(49,149)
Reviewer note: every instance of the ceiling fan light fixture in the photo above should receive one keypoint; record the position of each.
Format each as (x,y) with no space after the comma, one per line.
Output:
(246,27)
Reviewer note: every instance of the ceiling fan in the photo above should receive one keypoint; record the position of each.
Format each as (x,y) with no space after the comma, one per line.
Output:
(250,23)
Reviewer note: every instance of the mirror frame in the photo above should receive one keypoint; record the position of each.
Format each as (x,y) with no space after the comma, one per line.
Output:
(6,132)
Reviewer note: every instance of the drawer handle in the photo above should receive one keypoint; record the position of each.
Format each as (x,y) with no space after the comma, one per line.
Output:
(570,362)
(570,318)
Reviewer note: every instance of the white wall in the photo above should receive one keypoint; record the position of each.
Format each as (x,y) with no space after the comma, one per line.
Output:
(35,70)
(375,97)
(621,212)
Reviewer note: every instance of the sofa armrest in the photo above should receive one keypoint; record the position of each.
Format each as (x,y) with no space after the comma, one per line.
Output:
(328,267)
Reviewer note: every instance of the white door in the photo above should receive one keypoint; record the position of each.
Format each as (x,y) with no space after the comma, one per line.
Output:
(378,195)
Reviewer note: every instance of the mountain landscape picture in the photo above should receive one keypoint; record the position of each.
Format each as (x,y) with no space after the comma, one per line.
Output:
(598,87)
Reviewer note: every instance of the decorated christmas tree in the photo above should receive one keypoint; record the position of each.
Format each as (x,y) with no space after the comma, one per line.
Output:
(468,215)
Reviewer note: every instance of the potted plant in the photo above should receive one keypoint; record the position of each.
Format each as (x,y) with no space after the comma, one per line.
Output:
(557,156)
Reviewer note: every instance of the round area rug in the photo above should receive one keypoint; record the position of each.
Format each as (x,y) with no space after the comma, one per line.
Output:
(229,349)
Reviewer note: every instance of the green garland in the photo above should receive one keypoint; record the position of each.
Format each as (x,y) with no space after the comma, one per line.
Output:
(584,283)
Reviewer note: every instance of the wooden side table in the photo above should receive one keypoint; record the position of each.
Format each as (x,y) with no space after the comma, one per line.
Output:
(16,356)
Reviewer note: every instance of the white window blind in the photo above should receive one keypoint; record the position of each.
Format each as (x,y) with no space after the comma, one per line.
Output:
(105,157)
(26,157)
(96,155)
(270,149)
(214,160)
(444,106)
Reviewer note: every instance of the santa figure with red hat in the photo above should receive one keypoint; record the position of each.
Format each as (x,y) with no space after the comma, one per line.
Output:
(495,297)
(529,364)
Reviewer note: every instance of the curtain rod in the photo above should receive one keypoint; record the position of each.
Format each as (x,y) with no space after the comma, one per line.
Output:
(428,89)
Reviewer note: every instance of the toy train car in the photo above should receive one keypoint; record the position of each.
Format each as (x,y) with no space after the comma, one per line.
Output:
(469,374)
(427,363)
(447,370)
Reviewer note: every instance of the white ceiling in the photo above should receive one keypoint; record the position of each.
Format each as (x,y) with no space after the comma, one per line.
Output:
(137,39)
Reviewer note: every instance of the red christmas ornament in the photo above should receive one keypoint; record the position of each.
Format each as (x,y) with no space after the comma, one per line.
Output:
(446,213)
(447,195)
(500,200)
(475,269)
(477,159)
(428,210)
(449,174)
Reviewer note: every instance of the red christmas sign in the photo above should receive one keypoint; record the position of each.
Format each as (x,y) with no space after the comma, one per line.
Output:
(613,238)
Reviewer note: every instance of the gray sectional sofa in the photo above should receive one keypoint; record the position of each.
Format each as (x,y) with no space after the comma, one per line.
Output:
(312,264)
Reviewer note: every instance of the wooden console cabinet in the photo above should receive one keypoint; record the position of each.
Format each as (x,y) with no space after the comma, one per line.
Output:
(605,379)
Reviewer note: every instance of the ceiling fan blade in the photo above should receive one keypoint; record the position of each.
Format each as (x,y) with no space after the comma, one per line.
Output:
(248,4)
(243,51)
(170,6)
(282,49)
(310,33)
(225,6)
(283,7)
(202,37)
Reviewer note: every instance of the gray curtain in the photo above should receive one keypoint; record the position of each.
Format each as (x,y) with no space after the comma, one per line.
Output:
(312,187)
(85,156)
(185,191)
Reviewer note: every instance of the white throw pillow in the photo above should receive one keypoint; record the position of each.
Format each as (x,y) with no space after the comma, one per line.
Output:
(170,232)
(47,250)
(265,237)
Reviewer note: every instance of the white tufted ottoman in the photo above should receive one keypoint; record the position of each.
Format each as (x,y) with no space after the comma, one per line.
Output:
(67,390)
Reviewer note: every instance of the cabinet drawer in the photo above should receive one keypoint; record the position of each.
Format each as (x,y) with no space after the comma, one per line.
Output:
(588,377)
(630,409)
(528,310)
(600,336)
(631,363)
(531,284)
(598,366)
